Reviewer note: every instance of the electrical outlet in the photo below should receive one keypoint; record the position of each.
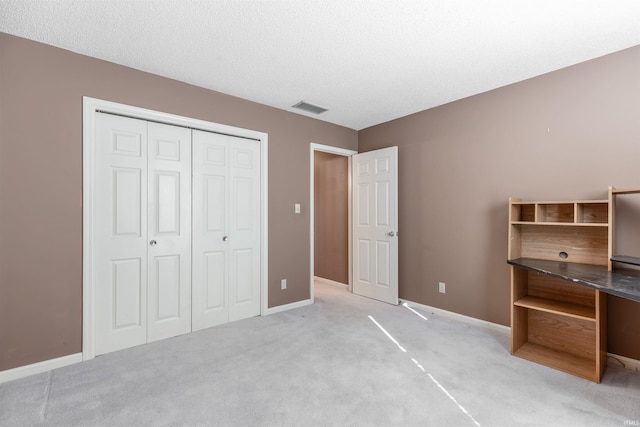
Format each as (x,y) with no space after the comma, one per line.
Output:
(283,284)
(441,287)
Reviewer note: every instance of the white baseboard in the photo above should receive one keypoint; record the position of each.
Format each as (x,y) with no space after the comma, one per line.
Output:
(460,317)
(37,368)
(622,361)
(285,307)
(48,365)
(330,282)
(612,359)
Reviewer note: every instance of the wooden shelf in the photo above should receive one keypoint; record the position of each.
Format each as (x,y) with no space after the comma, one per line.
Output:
(577,311)
(564,224)
(625,190)
(562,361)
(563,202)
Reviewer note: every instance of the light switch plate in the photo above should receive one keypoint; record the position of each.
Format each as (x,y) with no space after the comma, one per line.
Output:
(297,208)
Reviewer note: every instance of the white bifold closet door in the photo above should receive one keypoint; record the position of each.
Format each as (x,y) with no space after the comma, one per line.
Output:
(155,276)
(142,232)
(226,229)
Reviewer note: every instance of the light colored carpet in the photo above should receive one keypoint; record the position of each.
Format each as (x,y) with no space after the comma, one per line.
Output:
(344,361)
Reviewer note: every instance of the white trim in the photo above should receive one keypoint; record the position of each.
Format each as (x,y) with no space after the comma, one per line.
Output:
(332,150)
(88,133)
(330,282)
(612,359)
(456,316)
(90,107)
(350,221)
(313,147)
(264,227)
(623,362)
(287,307)
(38,368)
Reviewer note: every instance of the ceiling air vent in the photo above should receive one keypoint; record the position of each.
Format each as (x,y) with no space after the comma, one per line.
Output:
(310,108)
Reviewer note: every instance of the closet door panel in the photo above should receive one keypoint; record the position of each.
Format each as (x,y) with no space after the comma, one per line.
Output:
(244,283)
(120,233)
(169,235)
(226,174)
(210,230)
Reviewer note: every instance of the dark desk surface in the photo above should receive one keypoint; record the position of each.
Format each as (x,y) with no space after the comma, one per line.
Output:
(620,282)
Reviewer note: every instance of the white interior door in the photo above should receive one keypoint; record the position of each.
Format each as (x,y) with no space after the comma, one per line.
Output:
(226,229)
(169,233)
(375,224)
(142,232)
(120,233)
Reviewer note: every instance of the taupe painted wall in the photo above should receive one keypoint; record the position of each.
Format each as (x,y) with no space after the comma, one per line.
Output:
(41,89)
(569,134)
(565,135)
(331,216)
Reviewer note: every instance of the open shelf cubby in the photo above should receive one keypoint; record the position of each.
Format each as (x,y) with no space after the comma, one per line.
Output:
(617,258)
(591,212)
(555,212)
(558,324)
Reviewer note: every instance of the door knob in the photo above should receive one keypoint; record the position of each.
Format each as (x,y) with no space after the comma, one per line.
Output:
(391,233)
(225,238)
(153,243)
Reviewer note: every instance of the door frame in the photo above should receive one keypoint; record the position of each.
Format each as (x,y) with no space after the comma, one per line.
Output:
(313,147)
(92,106)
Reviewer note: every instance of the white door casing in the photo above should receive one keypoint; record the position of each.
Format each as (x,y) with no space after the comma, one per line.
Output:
(313,147)
(169,231)
(375,224)
(226,243)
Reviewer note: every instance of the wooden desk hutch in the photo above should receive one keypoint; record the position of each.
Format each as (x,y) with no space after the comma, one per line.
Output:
(562,268)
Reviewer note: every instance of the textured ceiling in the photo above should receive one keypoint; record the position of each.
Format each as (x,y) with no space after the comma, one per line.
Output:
(368,62)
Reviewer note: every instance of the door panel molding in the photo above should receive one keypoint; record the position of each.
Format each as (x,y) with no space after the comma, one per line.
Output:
(128,145)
